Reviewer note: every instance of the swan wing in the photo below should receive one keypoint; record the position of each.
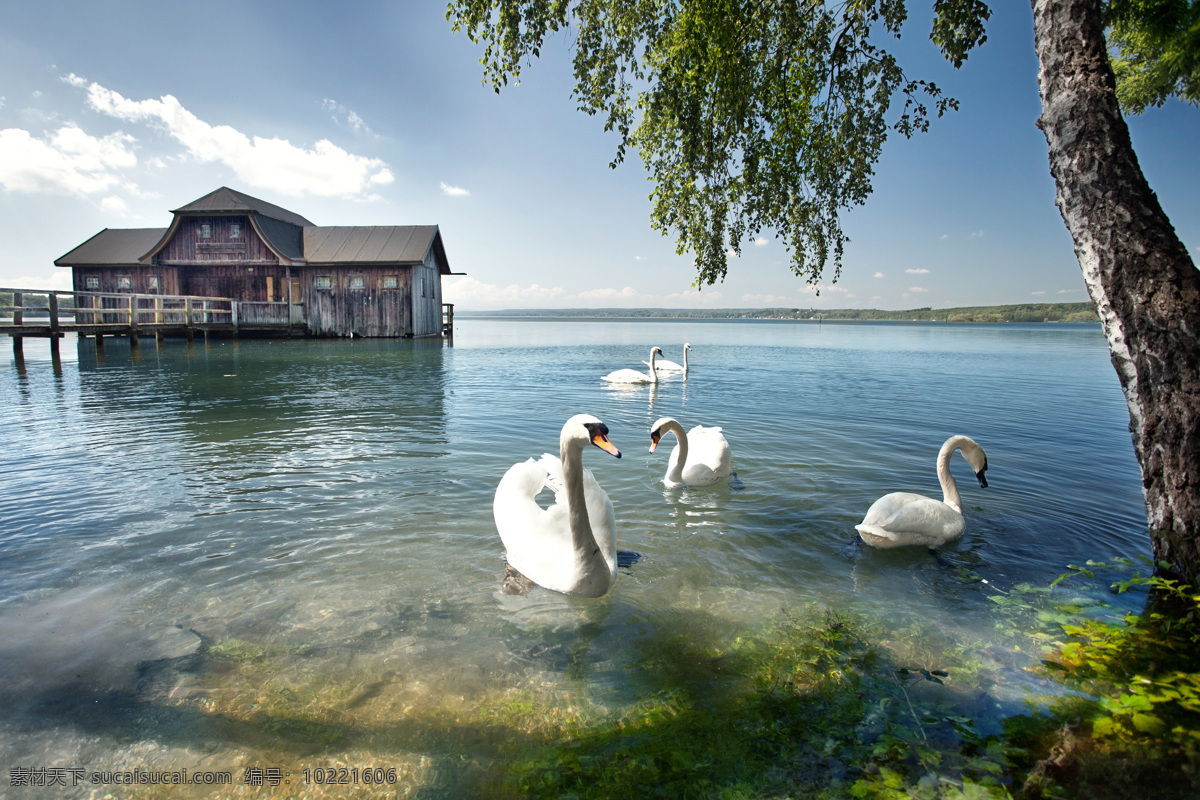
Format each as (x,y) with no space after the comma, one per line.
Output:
(709,457)
(628,376)
(904,518)
(665,366)
(535,538)
(603,519)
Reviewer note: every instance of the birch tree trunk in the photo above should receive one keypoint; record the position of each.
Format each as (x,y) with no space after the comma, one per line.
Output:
(1139,274)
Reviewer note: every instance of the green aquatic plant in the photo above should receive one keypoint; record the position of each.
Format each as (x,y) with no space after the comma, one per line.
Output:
(822,703)
(1144,670)
(809,706)
(236,650)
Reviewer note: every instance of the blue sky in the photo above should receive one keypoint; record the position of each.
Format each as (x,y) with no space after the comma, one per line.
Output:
(373,113)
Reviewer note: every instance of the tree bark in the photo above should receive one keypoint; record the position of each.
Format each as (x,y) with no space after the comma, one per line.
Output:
(1138,273)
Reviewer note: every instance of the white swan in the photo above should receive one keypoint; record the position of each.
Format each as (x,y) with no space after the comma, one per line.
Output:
(701,458)
(570,547)
(671,366)
(632,375)
(903,518)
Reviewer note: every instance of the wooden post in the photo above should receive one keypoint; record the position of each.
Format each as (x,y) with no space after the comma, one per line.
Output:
(54,318)
(18,314)
(133,315)
(187,319)
(18,346)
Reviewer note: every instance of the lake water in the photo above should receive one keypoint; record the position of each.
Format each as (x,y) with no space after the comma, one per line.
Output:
(317,515)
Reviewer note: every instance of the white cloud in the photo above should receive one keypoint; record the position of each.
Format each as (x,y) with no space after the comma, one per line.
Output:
(917,271)
(760,241)
(68,161)
(943,237)
(826,289)
(74,80)
(1,102)
(1036,293)
(766,300)
(470,293)
(325,169)
(345,117)
(917,289)
(114,205)
(977,234)
(608,296)
(54,279)
(638,258)
(1068,291)
(879,275)
(453,191)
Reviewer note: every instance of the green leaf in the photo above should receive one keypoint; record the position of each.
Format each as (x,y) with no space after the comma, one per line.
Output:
(1148,723)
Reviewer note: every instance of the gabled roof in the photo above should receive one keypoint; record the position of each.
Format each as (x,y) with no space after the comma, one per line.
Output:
(289,235)
(378,244)
(285,239)
(113,247)
(229,201)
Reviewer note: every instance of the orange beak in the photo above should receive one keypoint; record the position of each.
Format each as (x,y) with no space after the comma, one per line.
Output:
(601,441)
(654,437)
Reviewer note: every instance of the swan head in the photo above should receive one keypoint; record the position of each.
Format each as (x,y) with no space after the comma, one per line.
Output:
(655,351)
(687,346)
(975,456)
(658,430)
(584,429)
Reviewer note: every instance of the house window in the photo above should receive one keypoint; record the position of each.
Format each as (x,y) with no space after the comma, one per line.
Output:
(206,231)
(152,284)
(390,282)
(91,282)
(420,279)
(124,282)
(324,282)
(235,230)
(357,282)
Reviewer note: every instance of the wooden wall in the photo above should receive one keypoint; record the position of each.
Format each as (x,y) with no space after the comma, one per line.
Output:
(370,311)
(110,279)
(427,309)
(187,246)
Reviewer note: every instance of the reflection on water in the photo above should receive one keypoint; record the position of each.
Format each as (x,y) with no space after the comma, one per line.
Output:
(230,553)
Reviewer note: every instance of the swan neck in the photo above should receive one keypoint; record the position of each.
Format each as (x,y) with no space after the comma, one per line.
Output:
(685,364)
(950,494)
(582,537)
(676,470)
(653,369)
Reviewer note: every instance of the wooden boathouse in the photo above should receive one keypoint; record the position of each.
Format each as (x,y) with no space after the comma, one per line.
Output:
(283,273)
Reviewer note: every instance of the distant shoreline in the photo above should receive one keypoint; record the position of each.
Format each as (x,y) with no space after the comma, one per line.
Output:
(1025,312)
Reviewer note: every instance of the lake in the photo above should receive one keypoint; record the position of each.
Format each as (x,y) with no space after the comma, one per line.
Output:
(281,554)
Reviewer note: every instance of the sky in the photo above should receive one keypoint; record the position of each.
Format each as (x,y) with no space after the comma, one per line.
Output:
(373,112)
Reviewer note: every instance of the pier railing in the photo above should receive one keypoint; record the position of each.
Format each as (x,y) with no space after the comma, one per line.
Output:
(41,312)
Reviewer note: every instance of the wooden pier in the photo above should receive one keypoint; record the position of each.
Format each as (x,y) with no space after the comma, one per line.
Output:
(43,313)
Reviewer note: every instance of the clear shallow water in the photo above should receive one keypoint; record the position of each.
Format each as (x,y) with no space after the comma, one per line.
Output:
(319,514)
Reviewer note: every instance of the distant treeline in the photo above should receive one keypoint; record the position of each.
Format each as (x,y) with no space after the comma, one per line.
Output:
(1025,312)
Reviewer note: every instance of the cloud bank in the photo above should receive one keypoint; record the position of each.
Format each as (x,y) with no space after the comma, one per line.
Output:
(72,161)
